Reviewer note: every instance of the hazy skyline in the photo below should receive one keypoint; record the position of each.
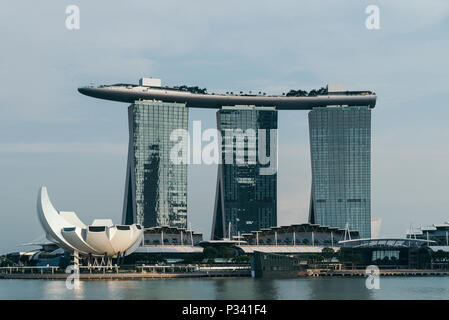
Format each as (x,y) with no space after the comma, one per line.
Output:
(76,146)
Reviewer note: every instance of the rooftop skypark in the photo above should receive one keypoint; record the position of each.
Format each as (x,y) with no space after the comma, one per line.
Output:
(196,97)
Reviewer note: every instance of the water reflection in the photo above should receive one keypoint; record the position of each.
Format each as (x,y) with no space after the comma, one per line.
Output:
(266,289)
(243,288)
(339,288)
(240,289)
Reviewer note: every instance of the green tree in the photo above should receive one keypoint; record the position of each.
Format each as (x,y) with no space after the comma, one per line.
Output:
(385,260)
(24,260)
(316,257)
(242,258)
(194,258)
(344,257)
(438,256)
(210,253)
(225,252)
(328,253)
(5,261)
(394,260)
(356,259)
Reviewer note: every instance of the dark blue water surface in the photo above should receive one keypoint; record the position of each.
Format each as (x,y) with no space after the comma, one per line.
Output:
(246,288)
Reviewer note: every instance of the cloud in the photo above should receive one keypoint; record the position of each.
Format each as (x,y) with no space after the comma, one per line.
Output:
(78,148)
(294,182)
(228,46)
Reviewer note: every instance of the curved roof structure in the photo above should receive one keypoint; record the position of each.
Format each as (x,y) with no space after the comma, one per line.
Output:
(249,249)
(102,238)
(385,242)
(130,93)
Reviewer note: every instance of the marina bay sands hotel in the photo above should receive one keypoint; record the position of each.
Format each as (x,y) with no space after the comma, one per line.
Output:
(246,200)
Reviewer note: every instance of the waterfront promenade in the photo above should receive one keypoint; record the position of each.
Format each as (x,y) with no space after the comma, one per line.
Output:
(382,272)
(115,273)
(191,271)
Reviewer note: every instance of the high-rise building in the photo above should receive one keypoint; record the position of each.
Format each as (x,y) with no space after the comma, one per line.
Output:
(246,194)
(340,145)
(156,187)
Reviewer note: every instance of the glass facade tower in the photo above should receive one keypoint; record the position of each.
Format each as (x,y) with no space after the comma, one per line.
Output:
(246,194)
(156,187)
(340,145)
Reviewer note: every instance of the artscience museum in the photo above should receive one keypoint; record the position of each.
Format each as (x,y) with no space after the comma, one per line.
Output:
(100,239)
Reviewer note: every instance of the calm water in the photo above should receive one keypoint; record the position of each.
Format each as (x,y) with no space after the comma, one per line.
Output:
(247,288)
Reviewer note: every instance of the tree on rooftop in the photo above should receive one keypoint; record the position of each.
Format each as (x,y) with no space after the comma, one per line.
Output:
(296,93)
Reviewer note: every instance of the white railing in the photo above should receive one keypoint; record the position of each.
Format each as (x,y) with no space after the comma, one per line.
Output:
(40,269)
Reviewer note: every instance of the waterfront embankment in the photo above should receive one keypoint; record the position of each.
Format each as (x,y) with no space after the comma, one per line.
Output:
(152,272)
(123,276)
(382,272)
(114,273)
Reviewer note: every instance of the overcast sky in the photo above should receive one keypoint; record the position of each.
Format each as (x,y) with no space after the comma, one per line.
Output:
(76,146)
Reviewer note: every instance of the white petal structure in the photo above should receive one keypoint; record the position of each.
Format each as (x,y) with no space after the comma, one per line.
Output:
(102,238)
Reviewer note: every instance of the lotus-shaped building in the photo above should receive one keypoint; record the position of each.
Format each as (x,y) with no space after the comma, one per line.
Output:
(102,238)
